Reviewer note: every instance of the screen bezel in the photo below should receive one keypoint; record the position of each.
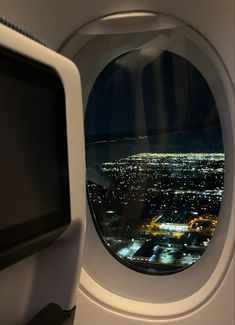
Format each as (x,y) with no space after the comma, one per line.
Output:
(21,240)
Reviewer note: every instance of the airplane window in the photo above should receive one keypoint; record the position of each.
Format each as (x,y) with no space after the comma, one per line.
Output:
(155,161)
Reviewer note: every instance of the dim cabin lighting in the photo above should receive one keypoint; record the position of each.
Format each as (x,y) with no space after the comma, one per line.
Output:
(131,18)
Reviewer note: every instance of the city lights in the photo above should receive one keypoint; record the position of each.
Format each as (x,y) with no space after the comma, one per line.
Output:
(161,209)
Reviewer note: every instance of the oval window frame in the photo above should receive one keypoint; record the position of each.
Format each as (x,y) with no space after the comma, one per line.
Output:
(94,275)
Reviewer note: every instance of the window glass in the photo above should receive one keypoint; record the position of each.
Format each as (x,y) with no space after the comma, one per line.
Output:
(155,161)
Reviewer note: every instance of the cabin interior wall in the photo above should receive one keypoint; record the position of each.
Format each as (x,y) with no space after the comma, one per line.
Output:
(55,21)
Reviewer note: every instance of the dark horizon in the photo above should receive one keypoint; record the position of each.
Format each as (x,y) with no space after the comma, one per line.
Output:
(174,105)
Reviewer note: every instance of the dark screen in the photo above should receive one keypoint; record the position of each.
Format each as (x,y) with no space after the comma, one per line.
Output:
(34,189)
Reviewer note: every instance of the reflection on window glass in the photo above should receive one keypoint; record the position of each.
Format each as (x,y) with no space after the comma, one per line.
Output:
(155,161)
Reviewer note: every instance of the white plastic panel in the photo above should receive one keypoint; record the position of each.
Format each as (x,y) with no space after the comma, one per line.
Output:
(218,310)
(116,287)
(29,285)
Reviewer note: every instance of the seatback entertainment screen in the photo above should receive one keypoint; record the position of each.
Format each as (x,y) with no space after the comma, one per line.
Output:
(34,182)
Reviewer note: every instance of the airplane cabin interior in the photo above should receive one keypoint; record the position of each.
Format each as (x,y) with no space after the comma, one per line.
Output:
(117,162)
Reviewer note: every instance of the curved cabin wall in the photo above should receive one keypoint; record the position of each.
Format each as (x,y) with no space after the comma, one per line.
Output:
(115,291)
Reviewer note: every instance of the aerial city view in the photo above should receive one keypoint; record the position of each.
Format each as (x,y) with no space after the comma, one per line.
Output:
(155,161)
(159,210)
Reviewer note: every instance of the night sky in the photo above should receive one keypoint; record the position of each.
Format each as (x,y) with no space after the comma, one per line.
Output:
(169,102)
